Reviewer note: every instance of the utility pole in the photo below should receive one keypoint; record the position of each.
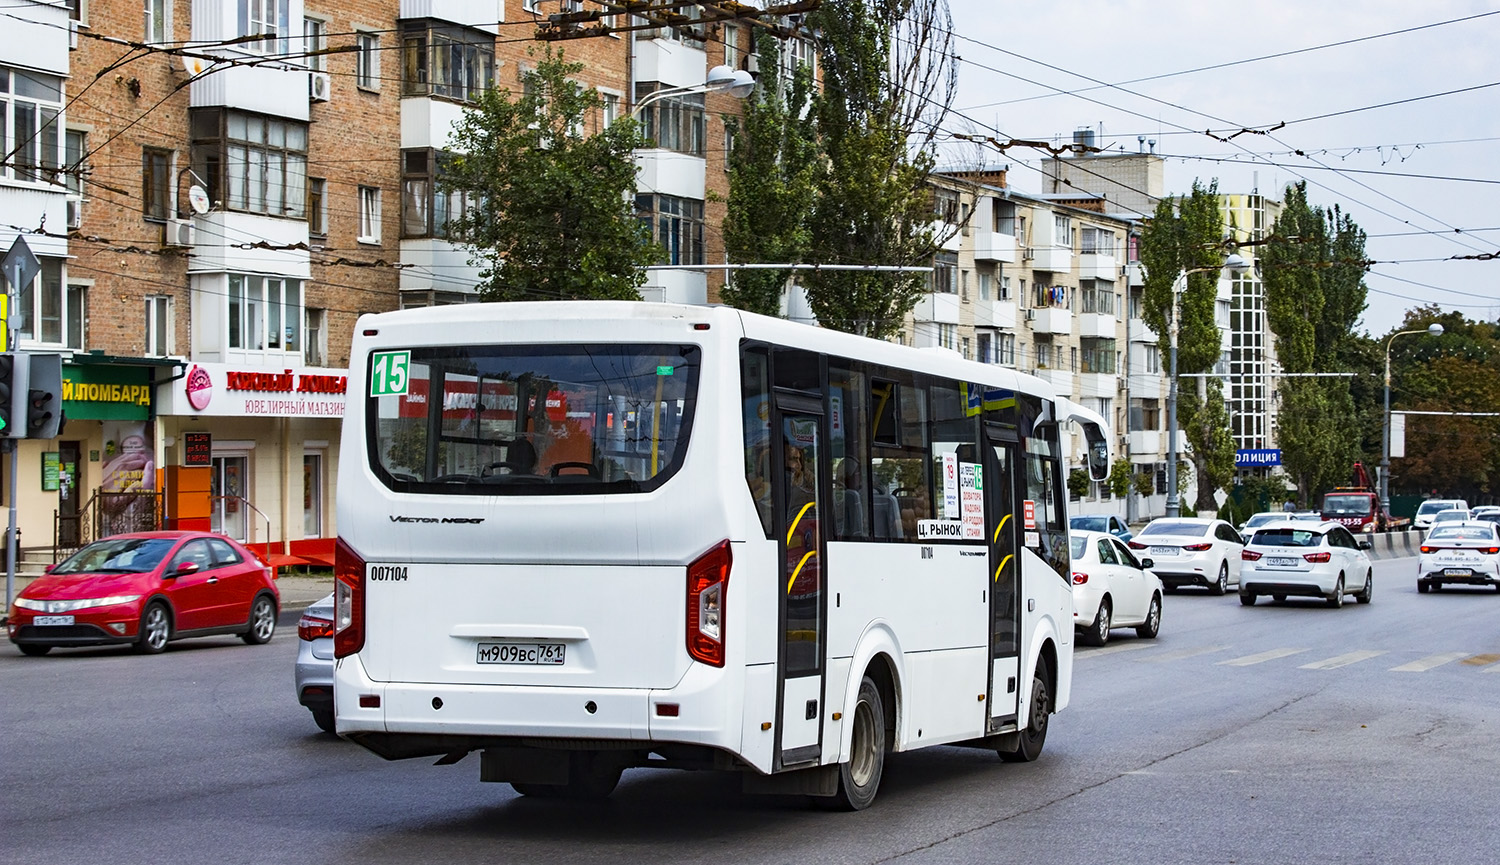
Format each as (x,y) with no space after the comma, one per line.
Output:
(20,267)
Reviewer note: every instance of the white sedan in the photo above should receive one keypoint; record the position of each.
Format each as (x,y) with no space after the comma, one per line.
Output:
(1466,553)
(1306,560)
(1112,589)
(1192,551)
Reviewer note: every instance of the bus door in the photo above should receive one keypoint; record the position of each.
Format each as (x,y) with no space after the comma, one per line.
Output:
(799,472)
(1003,527)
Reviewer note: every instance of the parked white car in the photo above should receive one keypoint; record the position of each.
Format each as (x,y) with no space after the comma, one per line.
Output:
(1322,560)
(1464,553)
(1112,589)
(1426,510)
(1192,551)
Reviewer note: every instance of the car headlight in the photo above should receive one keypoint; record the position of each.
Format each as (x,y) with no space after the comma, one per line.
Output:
(70,606)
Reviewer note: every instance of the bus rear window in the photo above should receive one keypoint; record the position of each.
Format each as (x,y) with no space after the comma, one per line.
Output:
(533,420)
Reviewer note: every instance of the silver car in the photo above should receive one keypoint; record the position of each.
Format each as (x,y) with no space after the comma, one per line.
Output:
(314,675)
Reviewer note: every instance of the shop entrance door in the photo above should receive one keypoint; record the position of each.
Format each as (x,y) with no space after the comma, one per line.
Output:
(68,528)
(229,484)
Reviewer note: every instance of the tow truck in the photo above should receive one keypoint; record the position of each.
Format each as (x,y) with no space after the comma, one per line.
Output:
(1357,507)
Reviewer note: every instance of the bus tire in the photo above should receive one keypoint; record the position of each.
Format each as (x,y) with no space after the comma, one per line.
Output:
(859,778)
(1034,735)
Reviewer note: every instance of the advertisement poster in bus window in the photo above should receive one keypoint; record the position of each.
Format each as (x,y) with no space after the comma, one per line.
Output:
(971,493)
(950,486)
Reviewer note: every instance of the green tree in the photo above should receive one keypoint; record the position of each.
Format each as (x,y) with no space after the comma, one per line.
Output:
(889,75)
(550,214)
(1119,479)
(1313,274)
(771,168)
(1186,235)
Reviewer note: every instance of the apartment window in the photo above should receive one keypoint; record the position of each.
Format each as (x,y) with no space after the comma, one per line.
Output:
(674,123)
(947,335)
(369,214)
(265,314)
(51,312)
(270,19)
(1062,231)
(1099,356)
(446,60)
(317,337)
(1153,359)
(1043,355)
(963,284)
(157,28)
(1004,217)
(1055,296)
(427,208)
(945,205)
(675,223)
(944,277)
(317,206)
(158,326)
(156,183)
(367,61)
(1098,296)
(1005,349)
(984,343)
(985,289)
(797,52)
(1098,241)
(609,108)
(731,46)
(30,125)
(315,39)
(75,146)
(251,162)
(1005,287)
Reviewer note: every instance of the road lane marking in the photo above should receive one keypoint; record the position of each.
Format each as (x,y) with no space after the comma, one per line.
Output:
(1261,658)
(1422,665)
(1481,660)
(1343,660)
(1110,650)
(1180,654)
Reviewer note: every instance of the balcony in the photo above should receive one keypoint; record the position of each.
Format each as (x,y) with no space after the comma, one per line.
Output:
(676,286)
(1053,259)
(1061,380)
(424,256)
(1097,384)
(1135,275)
(219,238)
(672,63)
(952,236)
(1147,443)
(427,122)
(471,13)
(1147,385)
(1050,320)
(278,91)
(938,307)
(1139,332)
(1093,265)
(995,313)
(993,246)
(671,173)
(1097,325)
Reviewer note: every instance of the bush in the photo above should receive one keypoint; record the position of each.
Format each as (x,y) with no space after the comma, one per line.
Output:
(1078,483)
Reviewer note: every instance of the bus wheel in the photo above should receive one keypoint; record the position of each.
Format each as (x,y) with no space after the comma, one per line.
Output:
(1029,745)
(860,777)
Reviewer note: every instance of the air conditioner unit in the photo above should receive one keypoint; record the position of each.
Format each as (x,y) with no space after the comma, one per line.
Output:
(1027,253)
(75,212)
(1031,315)
(179,232)
(319,87)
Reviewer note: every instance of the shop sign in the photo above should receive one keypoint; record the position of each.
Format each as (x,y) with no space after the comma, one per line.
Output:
(232,390)
(51,471)
(99,392)
(197,449)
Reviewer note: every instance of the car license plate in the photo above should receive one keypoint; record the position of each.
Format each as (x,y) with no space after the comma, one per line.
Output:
(1457,572)
(52,620)
(1282,563)
(1163,551)
(521,653)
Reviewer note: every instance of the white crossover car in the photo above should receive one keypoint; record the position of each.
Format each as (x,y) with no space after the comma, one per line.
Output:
(1430,508)
(1192,551)
(1463,553)
(1112,589)
(1320,560)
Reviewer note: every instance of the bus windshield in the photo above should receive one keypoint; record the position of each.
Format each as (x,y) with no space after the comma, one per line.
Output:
(533,419)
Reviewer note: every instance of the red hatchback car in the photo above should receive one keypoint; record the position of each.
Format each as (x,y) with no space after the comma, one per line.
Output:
(147,588)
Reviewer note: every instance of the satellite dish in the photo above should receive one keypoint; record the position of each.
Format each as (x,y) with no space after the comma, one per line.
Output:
(198,198)
(194,65)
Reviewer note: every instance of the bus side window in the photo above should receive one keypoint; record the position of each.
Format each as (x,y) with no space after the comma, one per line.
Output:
(755,391)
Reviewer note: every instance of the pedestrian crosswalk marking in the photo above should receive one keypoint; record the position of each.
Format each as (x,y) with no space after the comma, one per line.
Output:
(1181,654)
(1261,658)
(1481,660)
(1343,660)
(1422,665)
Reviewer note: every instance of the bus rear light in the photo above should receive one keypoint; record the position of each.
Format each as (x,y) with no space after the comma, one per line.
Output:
(348,601)
(1250,555)
(707,588)
(1079,578)
(1318,558)
(1197,548)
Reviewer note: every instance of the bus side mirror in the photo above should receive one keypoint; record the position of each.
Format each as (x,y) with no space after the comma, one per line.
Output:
(1098,452)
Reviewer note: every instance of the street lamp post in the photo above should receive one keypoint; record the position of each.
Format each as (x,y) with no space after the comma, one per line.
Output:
(1235,265)
(1433,329)
(736,82)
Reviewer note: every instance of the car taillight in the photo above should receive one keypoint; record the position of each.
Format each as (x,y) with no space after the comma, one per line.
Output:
(348,601)
(1079,578)
(1426,549)
(1137,545)
(707,588)
(311,627)
(1250,555)
(1197,548)
(1318,557)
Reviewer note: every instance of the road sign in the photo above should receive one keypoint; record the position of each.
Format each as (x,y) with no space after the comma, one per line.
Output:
(20,265)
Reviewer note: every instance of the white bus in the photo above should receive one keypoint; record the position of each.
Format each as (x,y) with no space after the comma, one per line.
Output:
(582,537)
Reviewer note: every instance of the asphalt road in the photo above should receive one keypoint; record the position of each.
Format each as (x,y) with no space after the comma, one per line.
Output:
(1272,734)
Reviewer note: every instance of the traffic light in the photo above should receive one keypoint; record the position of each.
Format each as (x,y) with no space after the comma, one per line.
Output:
(6,390)
(44,414)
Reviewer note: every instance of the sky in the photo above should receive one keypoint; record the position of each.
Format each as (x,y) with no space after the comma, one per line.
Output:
(1415,224)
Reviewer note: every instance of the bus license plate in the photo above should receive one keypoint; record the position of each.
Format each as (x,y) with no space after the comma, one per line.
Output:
(1282,563)
(521,653)
(52,620)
